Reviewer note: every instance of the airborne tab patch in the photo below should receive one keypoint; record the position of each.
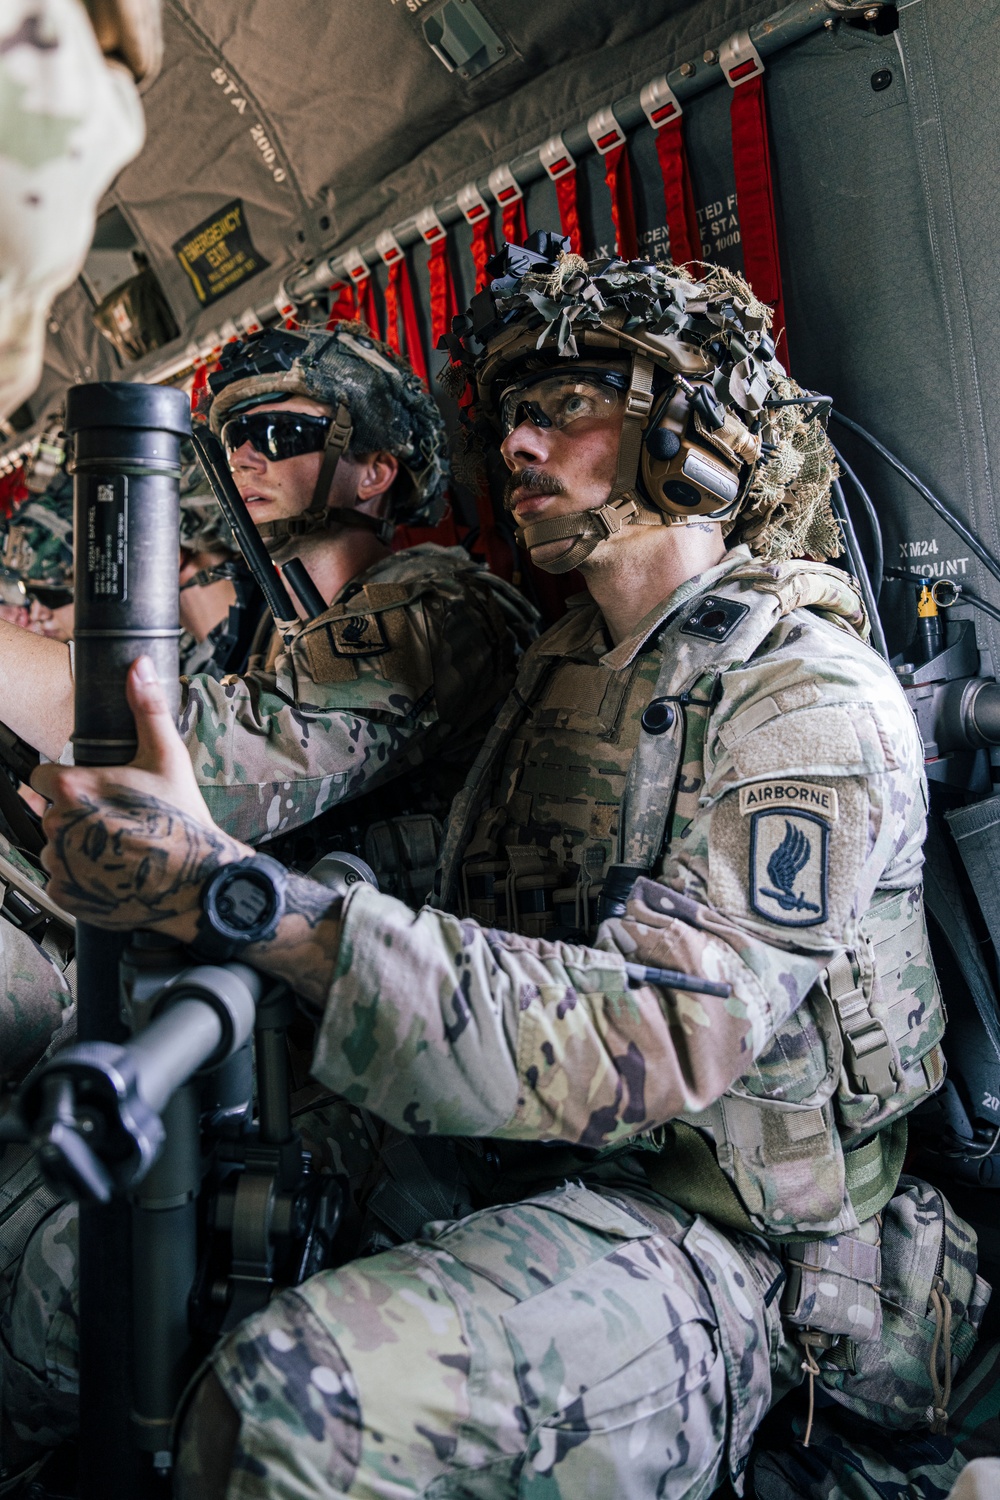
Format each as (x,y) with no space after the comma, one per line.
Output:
(357,635)
(806,795)
(788,866)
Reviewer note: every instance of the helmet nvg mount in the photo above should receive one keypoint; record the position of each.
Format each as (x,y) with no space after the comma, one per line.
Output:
(379,405)
(713,428)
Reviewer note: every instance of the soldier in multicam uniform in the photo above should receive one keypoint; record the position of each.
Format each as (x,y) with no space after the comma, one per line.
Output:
(685,1185)
(354,729)
(332,441)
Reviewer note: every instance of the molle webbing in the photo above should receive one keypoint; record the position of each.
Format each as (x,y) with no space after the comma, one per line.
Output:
(773,591)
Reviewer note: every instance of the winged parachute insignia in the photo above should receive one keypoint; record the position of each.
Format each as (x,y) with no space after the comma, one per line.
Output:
(791,856)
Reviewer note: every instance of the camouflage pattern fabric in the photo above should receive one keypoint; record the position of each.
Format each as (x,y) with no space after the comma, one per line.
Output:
(39,537)
(39,1339)
(405,667)
(932,1305)
(572,1344)
(36,995)
(521,1037)
(444,1027)
(848,1459)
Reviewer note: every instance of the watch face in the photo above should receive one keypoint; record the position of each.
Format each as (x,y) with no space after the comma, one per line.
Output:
(244,903)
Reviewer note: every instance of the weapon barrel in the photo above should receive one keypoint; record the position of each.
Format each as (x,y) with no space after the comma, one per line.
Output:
(233,506)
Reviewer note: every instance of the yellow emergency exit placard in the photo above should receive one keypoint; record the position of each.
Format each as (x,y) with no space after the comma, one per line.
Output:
(218,254)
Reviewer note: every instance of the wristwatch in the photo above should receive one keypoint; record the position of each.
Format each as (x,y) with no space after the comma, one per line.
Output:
(241,903)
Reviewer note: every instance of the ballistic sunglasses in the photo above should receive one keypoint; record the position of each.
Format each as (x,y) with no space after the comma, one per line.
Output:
(276,434)
(557,399)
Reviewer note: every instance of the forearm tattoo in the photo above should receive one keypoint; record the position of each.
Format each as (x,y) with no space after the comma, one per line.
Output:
(133,861)
(308,939)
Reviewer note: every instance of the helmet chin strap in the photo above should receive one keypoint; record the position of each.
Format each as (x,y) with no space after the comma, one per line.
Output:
(278,536)
(622,508)
(587,528)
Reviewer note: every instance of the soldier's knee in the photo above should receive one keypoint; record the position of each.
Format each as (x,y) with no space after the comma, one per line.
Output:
(207,1444)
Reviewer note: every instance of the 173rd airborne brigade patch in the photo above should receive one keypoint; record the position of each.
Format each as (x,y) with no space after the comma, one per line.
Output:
(789,838)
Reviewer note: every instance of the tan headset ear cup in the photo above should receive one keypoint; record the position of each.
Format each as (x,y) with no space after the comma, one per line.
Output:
(656,472)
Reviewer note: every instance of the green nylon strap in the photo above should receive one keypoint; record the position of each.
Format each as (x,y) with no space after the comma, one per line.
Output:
(687,1172)
(873,1169)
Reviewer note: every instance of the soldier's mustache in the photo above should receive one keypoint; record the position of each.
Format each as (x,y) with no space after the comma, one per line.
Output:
(534,481)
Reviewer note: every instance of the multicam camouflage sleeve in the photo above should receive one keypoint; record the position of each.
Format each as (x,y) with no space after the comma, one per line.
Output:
(812,801)
(404,667)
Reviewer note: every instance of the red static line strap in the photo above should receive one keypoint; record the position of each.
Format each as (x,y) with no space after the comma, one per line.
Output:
(444,301)
(343,305)
(13,490)
(367,311)
(515,225)
(392,336)
(399,308)
(199,384)
(482,248)
(618,176)
(411,327)
(755,201)
(682,218)
(569,214)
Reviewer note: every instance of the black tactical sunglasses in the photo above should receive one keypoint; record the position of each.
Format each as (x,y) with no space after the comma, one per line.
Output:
(50,598)
(276,434)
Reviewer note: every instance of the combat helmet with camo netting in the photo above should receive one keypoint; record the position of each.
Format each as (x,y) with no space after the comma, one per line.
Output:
(713,426)
(379,404)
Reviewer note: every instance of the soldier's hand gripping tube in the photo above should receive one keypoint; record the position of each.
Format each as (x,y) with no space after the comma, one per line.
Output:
(233,506)
(126,463)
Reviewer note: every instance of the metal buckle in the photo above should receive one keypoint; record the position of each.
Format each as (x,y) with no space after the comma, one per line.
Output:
(472,203)
(659,103)
(638,403)
(555,158)
(605,131)
(739,59)
(430,226)
(388,247)
(355,265)
(504,185)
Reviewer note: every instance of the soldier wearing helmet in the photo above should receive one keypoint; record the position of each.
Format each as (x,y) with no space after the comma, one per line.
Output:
(676,994)
(332,441)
